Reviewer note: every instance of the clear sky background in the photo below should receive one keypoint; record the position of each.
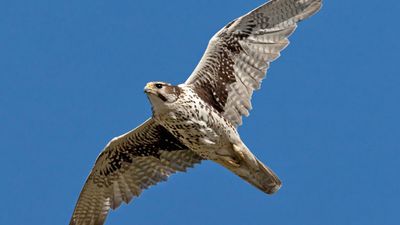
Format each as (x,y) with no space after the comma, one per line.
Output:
(326,120)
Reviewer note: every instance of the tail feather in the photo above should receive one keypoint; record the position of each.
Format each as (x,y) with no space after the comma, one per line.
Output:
(252,170)
(255,173)
(260,176)
(269,181)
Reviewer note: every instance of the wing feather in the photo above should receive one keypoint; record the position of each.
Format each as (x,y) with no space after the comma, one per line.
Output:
(238,56)
(129,164)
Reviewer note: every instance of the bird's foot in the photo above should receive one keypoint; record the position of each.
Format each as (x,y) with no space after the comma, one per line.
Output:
(228,161)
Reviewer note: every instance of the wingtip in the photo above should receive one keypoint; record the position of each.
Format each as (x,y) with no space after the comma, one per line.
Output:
(311,9)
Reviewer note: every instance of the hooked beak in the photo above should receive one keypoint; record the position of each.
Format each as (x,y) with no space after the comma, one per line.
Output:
(149,88)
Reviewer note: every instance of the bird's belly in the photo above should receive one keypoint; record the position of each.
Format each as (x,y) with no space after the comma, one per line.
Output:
(196,135)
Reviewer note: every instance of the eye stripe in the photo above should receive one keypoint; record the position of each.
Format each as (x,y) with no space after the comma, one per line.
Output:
(162,97)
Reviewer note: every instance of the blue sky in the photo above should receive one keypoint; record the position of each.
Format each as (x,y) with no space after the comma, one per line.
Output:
(326,120)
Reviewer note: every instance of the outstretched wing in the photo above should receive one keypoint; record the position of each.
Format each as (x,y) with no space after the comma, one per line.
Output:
(238,56)
(129,164)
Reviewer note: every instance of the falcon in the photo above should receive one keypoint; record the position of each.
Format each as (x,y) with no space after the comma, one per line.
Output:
(197,120)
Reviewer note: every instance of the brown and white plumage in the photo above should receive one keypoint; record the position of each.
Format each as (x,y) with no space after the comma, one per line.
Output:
(238,56)
(129,164)
(198,119)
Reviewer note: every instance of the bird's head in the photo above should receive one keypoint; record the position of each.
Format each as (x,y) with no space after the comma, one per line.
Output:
(162,93)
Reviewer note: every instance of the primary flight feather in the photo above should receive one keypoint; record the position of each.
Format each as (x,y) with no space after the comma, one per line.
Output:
(197,120)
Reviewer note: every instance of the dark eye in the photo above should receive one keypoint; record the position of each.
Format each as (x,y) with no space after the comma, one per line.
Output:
(159,86)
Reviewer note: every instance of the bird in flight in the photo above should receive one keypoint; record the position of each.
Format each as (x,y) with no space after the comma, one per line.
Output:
(197,120)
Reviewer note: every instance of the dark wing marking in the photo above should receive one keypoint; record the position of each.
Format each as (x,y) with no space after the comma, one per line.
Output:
(238,56)
(129,164)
